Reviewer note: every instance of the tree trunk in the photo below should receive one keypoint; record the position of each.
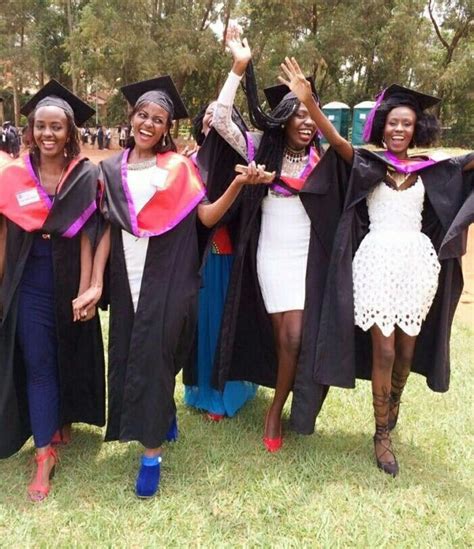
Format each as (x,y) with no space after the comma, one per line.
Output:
(70,26)
(206,15)
(314,18)
(16,102)
(227,11)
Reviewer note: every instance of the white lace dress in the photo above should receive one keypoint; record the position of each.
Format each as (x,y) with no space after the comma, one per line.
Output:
(396,268)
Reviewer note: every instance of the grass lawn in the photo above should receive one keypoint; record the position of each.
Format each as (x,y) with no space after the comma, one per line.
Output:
(221,489)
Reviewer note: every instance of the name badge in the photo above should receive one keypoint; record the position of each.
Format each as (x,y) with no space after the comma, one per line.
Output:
(159,177)
(28,197)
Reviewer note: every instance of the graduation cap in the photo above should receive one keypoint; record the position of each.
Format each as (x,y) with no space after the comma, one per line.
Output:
(398,95)
(160,90)
(56,95)
(395,93)
(275,94)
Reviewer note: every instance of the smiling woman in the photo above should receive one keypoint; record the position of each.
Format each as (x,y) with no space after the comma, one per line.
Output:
(267,304)
(152,196)
(52,369)
(395,276)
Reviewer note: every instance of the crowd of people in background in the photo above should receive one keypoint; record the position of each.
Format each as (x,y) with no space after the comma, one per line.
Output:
(103,136)
(10,139)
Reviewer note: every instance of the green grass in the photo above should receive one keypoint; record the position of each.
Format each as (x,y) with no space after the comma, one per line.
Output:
(221,489)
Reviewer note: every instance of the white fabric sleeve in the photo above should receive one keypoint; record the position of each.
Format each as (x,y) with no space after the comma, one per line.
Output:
(222,116)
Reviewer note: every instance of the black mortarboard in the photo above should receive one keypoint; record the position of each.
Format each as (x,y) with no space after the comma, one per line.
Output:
(396,93)
(164,85)
(55,94)
(275,94)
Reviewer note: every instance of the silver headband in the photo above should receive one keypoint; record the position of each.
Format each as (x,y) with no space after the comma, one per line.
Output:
(160,98)
(55,101)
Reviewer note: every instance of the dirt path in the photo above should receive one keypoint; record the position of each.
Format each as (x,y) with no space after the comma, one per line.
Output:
(465,310)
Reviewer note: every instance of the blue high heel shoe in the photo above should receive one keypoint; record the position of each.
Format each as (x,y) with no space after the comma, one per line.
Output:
(172,434)
(148,479)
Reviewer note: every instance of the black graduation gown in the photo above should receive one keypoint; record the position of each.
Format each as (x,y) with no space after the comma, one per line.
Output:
(246,349)
(343,351)
(147,348)
(80,350)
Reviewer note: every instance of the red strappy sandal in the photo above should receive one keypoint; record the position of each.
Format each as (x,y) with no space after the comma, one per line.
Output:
(37,491)
(272,444)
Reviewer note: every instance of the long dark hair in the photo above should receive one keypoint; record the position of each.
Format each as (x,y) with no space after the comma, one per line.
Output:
(169,145)
(72,147)
(272,146)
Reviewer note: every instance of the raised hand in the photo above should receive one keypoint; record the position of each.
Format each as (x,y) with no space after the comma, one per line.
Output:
(238,47)
(295,80)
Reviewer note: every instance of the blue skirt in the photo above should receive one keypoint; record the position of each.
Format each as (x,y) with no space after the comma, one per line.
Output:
(211,304)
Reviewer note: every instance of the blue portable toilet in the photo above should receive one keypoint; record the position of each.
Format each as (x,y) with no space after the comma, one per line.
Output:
(359,116)
(338,114)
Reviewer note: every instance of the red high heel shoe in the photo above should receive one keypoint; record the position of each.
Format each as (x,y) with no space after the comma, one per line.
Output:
(37,491)
(272,444)
(214,417)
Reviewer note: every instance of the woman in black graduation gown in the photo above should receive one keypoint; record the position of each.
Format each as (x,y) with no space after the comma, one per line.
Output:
(279,262)
(52,370)
(151,198)
(399,278)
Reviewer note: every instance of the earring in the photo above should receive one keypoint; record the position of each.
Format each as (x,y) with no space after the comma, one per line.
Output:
(384,144)
(164,140)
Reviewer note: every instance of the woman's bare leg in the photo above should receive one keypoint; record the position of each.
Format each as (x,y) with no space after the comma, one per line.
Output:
(404,351)
(383,358)
(287,328)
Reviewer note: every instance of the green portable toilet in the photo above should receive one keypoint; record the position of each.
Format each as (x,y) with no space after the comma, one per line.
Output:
(359,116)
(338,114)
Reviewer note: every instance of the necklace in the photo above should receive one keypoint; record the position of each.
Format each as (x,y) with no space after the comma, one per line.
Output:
(398,178)
(295,156)
(143,164)
(57,184)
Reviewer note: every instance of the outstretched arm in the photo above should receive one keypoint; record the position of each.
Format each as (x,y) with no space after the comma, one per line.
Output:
(90,297)
(298,84)
(210,214)
(222,117)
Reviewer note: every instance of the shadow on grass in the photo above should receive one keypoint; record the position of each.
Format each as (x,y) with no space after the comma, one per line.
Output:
(229,457)
(329,456)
